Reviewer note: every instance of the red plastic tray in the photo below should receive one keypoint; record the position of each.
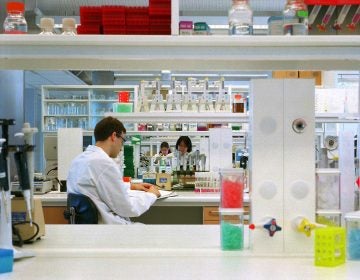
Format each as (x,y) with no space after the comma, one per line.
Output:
(109,29)
(158,2)
(160,20)
(332,2)
(88,29)
(90,14)
(137,10)
(160,11)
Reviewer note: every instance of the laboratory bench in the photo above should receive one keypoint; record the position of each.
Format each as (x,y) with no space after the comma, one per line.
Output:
(186,208)
(158,252)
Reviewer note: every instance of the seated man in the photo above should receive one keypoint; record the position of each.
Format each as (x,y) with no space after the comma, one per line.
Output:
(95,174)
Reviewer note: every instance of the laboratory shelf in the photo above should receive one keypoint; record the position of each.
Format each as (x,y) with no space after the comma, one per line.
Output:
(337,118)
(164,133)
(66,100)
(216,117)
(182,117)
(116,52)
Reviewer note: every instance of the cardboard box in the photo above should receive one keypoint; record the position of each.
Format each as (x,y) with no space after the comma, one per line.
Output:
(19,214)
(285,74)
(312,75)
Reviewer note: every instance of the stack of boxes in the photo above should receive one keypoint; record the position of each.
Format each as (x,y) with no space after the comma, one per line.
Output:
(113,20)
(154,19)
(90,20)
(160,17)
(137,20)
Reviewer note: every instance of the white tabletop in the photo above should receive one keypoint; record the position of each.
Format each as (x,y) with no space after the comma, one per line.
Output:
(157,252)
(184,198)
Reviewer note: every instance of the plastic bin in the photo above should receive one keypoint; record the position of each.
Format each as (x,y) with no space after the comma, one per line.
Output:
(327,189)
(6,260)
(328,218)
(352,221)
(123,107)
(231,229)
(232,188)
(330,248)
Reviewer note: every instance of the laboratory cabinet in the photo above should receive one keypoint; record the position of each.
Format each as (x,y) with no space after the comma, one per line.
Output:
(206,215)
(68,106)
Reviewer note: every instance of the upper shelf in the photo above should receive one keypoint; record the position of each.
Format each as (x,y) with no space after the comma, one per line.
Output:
(116,52)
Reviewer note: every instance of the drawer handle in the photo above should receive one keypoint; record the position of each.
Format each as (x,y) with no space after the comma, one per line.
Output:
(214,212)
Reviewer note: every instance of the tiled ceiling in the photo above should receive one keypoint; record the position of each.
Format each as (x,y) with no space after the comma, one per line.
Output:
(35,79)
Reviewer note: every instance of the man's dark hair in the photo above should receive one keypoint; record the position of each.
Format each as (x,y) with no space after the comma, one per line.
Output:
(186,140)
(106,127)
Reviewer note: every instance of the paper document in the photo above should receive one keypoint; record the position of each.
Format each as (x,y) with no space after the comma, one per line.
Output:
(165,194)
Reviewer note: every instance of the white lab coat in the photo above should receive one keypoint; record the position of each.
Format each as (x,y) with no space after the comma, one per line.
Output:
(95,174)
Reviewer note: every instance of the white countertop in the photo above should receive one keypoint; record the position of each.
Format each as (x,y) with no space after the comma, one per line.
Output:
(157,252)
(183,199)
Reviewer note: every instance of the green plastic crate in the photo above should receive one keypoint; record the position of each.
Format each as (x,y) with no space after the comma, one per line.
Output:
(330,246)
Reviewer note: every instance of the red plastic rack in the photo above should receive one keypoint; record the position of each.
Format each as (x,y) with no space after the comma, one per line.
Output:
(113,29)
(113,15)
(332,2)
(88,29)
(90,15)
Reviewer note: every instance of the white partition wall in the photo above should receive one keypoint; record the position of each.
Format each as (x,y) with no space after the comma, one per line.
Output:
(70,144)
(266,161)
(282,165)
(299,162)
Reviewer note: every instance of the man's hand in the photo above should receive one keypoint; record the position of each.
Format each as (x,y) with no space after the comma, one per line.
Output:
(146,187)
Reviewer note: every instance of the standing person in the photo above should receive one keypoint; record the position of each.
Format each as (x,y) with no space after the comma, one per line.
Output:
(183,146)
(164,149)
(95,174)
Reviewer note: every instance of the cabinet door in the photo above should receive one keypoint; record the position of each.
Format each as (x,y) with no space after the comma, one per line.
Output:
(64,107)
(54,215)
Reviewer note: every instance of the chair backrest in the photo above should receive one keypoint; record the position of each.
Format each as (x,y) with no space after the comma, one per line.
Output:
(81,209)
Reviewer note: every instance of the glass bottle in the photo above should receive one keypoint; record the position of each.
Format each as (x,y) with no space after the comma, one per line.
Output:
(240,18)
(47,26)
(69,26)
(295,16)
(15,22)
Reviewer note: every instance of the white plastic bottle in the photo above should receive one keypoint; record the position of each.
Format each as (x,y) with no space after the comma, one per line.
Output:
(240,18)
(295,16)
(69,26)
(47,26)
(15,22)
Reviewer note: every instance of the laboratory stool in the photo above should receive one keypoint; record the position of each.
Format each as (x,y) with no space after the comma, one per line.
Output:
(80,210)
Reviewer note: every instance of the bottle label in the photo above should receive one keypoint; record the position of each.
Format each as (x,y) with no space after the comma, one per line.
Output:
(14,32)
(302,14)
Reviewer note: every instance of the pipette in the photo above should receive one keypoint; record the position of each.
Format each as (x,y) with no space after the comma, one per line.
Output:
(24,181)
(355,20)
(340,20)
(326,18)
(313,15)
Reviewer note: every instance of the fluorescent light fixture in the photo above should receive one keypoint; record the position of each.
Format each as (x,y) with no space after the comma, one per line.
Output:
(135,75)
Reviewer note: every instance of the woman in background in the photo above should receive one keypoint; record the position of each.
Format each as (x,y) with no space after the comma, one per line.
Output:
(164,149)
(183,145)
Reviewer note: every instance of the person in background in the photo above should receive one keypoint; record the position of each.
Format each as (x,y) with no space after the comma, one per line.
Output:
(164,149)
(95,174)
(183,145)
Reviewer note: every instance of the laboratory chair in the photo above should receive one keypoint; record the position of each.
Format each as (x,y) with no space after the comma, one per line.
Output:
(80,210)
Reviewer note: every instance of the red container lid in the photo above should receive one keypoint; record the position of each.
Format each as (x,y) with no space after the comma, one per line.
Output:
(124,96)
(127,179)
(15,6)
